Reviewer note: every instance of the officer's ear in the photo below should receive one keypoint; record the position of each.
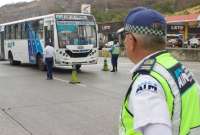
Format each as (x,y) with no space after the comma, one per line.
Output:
(129,41)
(134,41)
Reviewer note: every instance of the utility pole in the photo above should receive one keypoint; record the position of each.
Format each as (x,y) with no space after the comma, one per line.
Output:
(106,5)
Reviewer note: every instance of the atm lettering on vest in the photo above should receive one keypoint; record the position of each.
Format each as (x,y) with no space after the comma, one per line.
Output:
(146,86)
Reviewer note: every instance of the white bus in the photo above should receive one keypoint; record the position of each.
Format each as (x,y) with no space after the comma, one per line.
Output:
(73,35)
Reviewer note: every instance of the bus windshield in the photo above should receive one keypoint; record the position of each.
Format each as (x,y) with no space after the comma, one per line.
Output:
(76,33)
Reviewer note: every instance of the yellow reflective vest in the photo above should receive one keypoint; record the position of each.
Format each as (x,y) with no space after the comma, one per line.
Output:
(115,49)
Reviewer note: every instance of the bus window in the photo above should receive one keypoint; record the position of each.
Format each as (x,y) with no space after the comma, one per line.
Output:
(12,31)
(52,34)
(16,31)
(24,31)
(76,33)
(38,29)
(9,32)
(41,30)
(5,33)
(2,52)
(91,33)
(19,32)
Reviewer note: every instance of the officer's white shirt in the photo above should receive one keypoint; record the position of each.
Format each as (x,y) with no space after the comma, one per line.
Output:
(147,103)
(49,52)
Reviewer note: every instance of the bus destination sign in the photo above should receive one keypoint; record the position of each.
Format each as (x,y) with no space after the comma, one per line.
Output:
(71,17)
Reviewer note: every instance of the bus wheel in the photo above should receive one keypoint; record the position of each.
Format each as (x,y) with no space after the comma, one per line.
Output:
(40,63)
(17,62)
(10,57)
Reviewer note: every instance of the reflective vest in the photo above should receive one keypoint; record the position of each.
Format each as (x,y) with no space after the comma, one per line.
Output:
(181,91)
(115,49)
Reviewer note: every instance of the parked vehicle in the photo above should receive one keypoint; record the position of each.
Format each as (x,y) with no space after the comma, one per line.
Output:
(109,44)
(194,42)
(174,40)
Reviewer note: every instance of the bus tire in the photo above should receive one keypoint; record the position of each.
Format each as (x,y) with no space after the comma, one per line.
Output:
(10,58)
(17,62)
(40,63)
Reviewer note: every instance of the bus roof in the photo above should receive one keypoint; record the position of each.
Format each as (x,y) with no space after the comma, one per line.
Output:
(41,17)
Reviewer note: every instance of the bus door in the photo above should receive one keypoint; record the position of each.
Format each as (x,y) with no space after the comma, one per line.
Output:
(2,53)
(49,32)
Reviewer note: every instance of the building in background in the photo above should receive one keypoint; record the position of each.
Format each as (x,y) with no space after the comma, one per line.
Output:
(107,32)
(187,27)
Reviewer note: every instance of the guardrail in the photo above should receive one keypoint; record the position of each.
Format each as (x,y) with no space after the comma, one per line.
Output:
(186,54)
(183,54)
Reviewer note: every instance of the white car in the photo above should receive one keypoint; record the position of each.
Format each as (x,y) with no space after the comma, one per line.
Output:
(194,42)
(109,44)
(174,40)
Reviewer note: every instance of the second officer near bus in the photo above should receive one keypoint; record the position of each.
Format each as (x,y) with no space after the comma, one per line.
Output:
(49,54)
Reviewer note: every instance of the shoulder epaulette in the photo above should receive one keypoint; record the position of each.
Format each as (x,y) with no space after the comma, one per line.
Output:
(145,67)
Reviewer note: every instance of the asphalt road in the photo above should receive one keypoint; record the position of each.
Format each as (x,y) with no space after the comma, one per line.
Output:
(32,105)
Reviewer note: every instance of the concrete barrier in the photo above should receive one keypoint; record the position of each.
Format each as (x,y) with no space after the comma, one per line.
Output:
(105,53)
(183,54)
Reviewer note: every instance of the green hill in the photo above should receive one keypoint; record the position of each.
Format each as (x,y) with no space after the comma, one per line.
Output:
(104,10)
(192,10)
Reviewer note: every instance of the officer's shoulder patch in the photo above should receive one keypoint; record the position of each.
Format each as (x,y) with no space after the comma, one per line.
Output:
(148,64)
(147,86)
(145,67)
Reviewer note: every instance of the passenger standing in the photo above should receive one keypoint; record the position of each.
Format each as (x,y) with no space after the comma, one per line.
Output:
(49,54)
(115,51)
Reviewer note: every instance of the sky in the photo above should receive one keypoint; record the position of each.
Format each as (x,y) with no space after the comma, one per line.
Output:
(4,2)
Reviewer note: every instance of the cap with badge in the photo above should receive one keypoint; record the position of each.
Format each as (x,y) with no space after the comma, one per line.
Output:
(145,21)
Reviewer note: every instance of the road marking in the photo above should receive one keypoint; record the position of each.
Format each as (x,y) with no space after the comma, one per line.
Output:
(66,81)
(58,79)
(82,85)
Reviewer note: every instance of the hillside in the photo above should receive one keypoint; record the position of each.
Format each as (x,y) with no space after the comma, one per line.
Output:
(104,10)
(40,7)
(192,10)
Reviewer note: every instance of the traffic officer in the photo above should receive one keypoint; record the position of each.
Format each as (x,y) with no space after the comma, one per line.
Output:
(49,54)
(163,98)
(115,51)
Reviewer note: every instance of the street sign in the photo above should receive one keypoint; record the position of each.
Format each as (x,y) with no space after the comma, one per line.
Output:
(86,8)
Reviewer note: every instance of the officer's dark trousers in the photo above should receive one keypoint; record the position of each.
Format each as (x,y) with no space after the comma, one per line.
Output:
(114,60)
(49,63)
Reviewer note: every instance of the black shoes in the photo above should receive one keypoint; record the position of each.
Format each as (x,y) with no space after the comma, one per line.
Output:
(51,78)
(113,70)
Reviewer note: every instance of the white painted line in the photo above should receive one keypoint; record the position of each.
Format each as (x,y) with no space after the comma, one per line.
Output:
(58,79)
(82,85)
(66,81)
